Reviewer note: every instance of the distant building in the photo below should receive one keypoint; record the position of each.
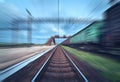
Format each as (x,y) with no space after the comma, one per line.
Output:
(112,26)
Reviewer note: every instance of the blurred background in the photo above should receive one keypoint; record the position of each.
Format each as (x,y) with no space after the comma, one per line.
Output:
(17,17)
(89,26)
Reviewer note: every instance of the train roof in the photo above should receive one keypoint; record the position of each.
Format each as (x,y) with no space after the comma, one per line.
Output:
(114,6)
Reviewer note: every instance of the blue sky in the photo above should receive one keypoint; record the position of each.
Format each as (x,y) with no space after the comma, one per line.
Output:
(11,9)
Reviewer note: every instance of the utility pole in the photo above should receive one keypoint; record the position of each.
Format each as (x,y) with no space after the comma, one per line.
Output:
(29,38)
(14,31)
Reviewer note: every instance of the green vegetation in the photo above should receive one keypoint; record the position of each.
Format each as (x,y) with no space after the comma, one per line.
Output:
(109,68)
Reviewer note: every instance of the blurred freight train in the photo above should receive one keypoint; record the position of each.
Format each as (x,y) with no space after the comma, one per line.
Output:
(100,34)
(88,38)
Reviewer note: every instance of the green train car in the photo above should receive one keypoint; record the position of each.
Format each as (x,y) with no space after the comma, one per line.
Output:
(90,34)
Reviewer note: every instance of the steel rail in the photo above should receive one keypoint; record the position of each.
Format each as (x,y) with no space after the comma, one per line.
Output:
(86,80)
(34,78)
(81,74)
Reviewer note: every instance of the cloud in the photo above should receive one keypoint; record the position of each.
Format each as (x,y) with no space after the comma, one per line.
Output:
(54,28)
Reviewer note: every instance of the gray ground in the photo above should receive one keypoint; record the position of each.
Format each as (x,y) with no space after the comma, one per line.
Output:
(10,56)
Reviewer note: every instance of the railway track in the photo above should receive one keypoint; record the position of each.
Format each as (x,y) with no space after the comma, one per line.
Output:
(59,68)
(54,66)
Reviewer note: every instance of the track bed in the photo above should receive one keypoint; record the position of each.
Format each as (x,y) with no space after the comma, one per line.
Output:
(59,69)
